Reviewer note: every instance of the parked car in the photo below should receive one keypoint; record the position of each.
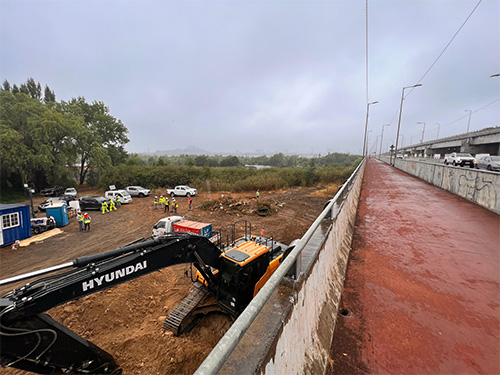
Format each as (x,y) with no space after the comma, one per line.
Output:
(52,191)
(71,191)
(138,191)
(92,202)
(182,191)
(123,194)
(65,198)
(489,162)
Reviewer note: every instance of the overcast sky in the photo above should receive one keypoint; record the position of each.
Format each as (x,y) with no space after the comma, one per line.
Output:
(274,76)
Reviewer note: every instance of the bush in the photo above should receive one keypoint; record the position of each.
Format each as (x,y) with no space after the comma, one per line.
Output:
(237,179)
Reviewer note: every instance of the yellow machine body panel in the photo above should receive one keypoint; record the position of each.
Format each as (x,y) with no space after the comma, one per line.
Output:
(250,248)
(270,270)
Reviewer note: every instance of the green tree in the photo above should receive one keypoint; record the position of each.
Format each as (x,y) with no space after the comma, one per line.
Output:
(100,137)
(49,95)
(230,161)
(6,86)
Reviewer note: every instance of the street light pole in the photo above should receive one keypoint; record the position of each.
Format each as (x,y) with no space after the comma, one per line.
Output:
(468,124)
(400,112)
(439,125)
(402,140)
(381,139)
(366,126)
(423,132)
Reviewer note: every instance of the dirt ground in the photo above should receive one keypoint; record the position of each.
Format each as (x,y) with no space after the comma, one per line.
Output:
(127,320)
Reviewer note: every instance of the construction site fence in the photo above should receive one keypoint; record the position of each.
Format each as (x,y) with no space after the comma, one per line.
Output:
(288,326)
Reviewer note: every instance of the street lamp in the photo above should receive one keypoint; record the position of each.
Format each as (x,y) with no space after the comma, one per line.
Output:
(381,139)
(439,125)
(366,126)
(367,141)
(400,112)
(423,132)
(470,114)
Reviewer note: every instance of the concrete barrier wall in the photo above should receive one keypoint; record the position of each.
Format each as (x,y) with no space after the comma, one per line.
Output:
(479,186)
(303,344)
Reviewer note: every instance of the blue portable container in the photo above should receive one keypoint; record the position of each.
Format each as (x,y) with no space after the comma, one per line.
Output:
(60,213)
(15,223)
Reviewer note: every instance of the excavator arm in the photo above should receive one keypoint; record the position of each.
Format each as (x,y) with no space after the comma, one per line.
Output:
(33,341)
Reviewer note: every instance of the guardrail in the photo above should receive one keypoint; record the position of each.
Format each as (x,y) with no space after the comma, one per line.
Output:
(336,211)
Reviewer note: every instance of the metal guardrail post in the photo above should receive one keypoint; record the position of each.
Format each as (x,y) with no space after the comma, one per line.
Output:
(217,357)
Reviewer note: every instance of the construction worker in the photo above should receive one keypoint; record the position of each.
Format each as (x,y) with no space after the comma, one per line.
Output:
(257,194)
(79,218)
(190,202)
(156,202)
(162,202)
(104,207)
(118,201)
(86,220)
(262,231)
(167,208)
(176,206)
(112,205)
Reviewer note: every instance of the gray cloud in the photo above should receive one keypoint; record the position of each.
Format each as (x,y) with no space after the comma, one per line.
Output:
(275,76)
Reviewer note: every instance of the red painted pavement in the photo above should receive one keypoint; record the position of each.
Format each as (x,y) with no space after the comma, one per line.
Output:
(423,282)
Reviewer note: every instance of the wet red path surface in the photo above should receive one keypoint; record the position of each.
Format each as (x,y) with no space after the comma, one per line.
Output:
(422,291)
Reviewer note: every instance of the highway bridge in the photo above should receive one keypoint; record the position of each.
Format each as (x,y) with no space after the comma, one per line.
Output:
(399,274)
(485,141)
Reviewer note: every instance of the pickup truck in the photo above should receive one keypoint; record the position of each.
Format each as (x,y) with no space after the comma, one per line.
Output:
(138,191)
(460,158)
(182,191)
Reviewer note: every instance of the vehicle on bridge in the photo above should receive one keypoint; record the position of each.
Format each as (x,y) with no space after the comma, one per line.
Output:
(460,158)
(489,162)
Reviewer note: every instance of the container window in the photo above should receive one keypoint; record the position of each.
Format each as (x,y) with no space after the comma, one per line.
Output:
(10,220)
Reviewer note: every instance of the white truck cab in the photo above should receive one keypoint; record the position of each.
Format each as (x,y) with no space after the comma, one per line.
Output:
(166,225)
(123,194)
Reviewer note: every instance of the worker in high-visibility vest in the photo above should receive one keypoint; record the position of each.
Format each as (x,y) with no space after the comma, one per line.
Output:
(112,205)
(176,206)
(104,207)
(190,203)
(167,203)
(118,201)
(155,202)
(86,220)
(79,218)
(162,202)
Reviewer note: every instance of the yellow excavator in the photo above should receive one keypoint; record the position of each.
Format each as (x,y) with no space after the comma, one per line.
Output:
(232,270)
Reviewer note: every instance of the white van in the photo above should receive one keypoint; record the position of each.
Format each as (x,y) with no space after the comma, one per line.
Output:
(123,194)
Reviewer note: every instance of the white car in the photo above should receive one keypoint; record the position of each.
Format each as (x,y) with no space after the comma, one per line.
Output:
(123,194)
(71,191)
(138,191)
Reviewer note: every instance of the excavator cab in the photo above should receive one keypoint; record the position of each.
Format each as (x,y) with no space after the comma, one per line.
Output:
(240,271)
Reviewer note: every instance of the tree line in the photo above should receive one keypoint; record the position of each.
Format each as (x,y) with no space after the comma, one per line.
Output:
(43,141)
(279,160)
(47,142)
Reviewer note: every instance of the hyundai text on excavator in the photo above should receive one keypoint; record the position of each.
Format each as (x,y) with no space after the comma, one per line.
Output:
(233,271)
